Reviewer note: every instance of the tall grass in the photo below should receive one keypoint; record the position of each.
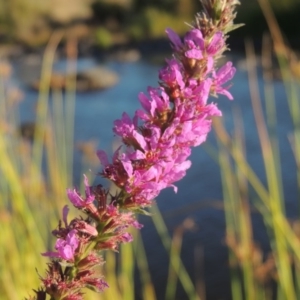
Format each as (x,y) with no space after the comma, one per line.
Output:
(256,275)
(34,175)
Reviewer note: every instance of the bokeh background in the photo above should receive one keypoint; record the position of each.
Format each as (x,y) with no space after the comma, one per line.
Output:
(119,22)
(69,68)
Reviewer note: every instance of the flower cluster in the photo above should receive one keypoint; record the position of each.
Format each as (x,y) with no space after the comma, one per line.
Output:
(174,118)
(157,144)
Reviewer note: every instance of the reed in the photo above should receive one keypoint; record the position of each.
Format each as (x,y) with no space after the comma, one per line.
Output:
(257,275)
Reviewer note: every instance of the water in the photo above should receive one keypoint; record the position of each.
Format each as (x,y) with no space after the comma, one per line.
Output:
(201,189)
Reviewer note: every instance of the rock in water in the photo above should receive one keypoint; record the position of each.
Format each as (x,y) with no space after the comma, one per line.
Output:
(97,78)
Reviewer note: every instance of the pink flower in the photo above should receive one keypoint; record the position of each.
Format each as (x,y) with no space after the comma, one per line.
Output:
(103,158)
(217,44)
(174,38)
(156,105)
(84,227)
(75,197)
(113,171)
(126,237)
(174,172)
(65,247)
(172,74)
(223,75)
(97,283)
(199,92)
(125,127)
(194,43)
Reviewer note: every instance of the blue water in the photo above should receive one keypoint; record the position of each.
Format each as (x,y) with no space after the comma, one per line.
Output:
(200,192)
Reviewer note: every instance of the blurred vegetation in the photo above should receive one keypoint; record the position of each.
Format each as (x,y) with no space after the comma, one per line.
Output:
(286,12)
(32,21)
(103,37)
(35,173)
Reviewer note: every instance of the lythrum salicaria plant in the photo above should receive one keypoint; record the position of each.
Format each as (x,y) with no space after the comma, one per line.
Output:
(157,142)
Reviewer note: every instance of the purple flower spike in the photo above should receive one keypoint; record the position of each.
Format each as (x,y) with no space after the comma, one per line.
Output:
(156,145)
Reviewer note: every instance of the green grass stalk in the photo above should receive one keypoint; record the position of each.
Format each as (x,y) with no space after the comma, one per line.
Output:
(148,290)
(174,268)
(275,203)
(166,240)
